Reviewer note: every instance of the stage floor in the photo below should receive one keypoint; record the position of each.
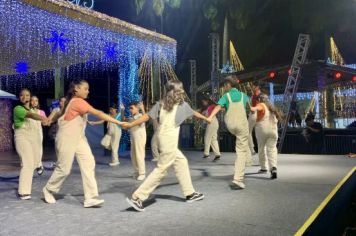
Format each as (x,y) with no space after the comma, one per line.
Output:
(265,207)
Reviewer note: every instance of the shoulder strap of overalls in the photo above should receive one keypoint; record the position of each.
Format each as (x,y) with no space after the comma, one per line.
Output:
(228,97)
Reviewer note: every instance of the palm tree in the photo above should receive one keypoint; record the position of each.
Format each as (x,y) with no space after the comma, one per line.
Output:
(158,6)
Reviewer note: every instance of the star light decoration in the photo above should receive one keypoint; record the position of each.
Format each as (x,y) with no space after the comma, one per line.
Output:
(58,41)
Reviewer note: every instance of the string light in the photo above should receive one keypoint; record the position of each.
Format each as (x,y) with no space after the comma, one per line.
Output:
(5,125)
(40,38)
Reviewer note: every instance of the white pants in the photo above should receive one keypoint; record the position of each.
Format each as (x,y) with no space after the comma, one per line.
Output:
(251,124)
(154,146)
(27,150)
(138,150)
(170,155)
(267,146)
(66,151)
(211,138)
(114,144)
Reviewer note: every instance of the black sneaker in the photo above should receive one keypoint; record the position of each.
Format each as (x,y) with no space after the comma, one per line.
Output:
(217,158)
(206,157)
(24,196)
(194,197)
(274,173)
(40,170)
(136,204)
(262,171)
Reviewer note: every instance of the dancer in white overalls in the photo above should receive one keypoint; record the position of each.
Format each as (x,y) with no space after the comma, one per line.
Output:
(252,118)
(236,122)
(35,107)
(115,133)
(138,140)
(170,112)
(26,140)
(267,134)
(71,142)
(211,132)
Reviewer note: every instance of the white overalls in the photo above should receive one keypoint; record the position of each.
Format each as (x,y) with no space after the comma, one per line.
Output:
(251,124)
(138,148)
(237,124)
(211,138)
(154,141)
(39,138)
(170,155)
(71,142)
(115,132)
(27,148)
(267,136)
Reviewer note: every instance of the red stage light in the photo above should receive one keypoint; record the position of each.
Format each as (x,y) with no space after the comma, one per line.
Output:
(272,74)
(338,75)
(354,78)
(289,71)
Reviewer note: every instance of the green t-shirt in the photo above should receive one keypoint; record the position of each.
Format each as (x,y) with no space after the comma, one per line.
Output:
(19,116)
(235,95)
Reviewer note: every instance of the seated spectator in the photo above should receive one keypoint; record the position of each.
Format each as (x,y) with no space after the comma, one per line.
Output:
(313,135)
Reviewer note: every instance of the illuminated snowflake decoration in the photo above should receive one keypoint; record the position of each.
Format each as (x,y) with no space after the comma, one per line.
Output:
(58,41)
(22,67)
(110,50)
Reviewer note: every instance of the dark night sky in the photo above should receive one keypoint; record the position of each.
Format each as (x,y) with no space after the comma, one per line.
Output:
(268,38)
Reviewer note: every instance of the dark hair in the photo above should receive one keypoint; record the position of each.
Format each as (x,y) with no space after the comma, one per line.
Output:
(113,105)
(205,98)
(71,91)
(232,80)
(310,117)
(174,94)
(135,103)
(263,98)
(24,89)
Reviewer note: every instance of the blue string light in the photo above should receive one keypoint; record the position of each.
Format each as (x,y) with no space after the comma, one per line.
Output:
(28,30)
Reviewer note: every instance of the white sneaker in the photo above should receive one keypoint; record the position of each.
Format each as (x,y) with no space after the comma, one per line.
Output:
(114,163)
(141,177)
(154,160)
(94,202)
(48,196)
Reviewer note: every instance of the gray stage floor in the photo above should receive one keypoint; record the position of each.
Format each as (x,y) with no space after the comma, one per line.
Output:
(265,207)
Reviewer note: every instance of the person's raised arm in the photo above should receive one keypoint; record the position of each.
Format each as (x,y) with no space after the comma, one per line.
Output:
(142,119)
(102,116)
(142,106)
(200,116)
(313,129)
(99,122)
(35,116)
(258,107)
